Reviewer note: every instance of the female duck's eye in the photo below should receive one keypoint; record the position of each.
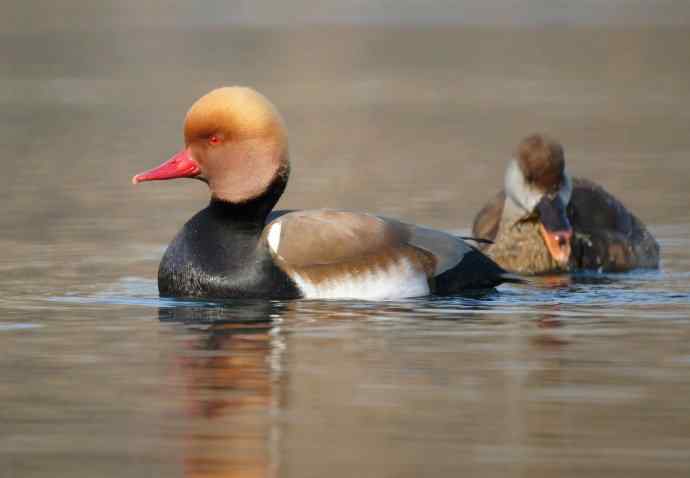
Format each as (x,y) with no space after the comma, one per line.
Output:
(214,140)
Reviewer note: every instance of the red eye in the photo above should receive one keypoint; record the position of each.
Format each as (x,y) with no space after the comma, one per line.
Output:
(214,140)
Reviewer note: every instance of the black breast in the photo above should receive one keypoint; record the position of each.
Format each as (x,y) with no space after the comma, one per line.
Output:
(217,255)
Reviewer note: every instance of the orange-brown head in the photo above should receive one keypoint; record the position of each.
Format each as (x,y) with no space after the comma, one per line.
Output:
(542,162)
(235,140)
(538,185)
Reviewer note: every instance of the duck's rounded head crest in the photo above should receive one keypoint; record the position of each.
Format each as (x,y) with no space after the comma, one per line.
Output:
(233,113)
(542,162)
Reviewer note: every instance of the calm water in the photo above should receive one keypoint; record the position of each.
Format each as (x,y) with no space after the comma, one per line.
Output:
(570,376)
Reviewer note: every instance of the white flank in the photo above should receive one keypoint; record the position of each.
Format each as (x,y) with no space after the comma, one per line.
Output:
(273,237)
(398,281)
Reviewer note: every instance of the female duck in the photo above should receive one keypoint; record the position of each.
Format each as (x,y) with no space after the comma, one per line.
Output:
(546,221)
(235,141)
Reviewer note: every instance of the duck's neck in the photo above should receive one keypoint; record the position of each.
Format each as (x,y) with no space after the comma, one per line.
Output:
(519,246)
(250,215)
(512,213)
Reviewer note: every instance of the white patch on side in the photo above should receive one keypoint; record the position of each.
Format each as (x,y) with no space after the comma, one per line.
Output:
(398,281)
(273,237)
(518,190)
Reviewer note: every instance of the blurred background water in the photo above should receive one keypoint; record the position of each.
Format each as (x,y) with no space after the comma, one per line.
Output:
(404,108)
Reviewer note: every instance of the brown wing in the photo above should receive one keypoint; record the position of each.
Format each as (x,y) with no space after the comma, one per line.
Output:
(321,237)
(352,240)
(487,221)
(607,235)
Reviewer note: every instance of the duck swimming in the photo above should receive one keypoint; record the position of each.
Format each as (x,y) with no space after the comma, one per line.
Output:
(236,142)
(545,221)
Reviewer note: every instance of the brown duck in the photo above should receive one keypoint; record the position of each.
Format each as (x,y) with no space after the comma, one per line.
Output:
(545,221)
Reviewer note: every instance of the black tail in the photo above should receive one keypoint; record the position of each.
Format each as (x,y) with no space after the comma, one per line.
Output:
(475,271)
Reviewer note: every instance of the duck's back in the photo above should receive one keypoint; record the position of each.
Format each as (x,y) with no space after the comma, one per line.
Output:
(607,235)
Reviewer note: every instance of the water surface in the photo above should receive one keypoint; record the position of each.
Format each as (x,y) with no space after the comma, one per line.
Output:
(569,376)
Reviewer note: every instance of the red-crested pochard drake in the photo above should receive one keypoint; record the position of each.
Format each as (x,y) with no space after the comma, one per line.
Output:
(235,141)
(545,221)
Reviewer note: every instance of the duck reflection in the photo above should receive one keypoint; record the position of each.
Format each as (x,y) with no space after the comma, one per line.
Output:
(229,368)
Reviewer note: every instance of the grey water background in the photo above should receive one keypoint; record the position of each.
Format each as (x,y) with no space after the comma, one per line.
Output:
(401,108)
